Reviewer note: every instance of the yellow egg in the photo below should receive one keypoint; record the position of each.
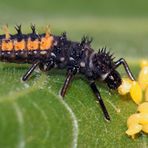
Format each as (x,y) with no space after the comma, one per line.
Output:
(145,128)
(143,108)
(143,63)
(143,77)
(133,119)
(124,88)
(143,118)
(134,129)
(136,92)
(146,94)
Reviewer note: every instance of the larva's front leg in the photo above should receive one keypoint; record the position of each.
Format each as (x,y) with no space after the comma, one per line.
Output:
(99,98)
(126,67)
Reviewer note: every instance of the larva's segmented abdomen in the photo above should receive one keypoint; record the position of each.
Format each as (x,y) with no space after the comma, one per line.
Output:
(46,49)
(25,48)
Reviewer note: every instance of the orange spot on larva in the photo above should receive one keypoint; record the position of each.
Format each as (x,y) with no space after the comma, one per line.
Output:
(32,45)
(7,45)
(19,45)
(46,42)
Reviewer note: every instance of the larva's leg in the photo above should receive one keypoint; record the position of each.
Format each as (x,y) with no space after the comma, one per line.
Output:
(97,94)
(126,67)
(68,79)
(30,70)
(46,66)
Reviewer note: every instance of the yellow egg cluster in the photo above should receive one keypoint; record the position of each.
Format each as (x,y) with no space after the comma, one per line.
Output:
(135,88)
(143,75)
(146,95)
(138,121)
(131,87)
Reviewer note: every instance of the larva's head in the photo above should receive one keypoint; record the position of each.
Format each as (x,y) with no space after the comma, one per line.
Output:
(103,67)
(113,80)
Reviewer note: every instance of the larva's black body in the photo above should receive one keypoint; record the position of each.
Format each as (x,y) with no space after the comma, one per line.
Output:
(60,52)
(63,53)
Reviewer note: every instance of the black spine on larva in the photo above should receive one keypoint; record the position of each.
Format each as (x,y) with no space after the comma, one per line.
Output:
(33,35)
(19,36)
(103,60)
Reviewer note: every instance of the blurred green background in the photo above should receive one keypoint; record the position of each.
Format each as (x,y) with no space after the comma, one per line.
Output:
(122,26)
(31,114)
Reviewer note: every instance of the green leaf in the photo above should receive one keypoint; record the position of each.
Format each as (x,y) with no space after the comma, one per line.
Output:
(33,115)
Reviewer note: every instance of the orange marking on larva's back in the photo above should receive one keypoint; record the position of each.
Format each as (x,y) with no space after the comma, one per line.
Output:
(7,45)
(46,42)
(32,45)
(19,45)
